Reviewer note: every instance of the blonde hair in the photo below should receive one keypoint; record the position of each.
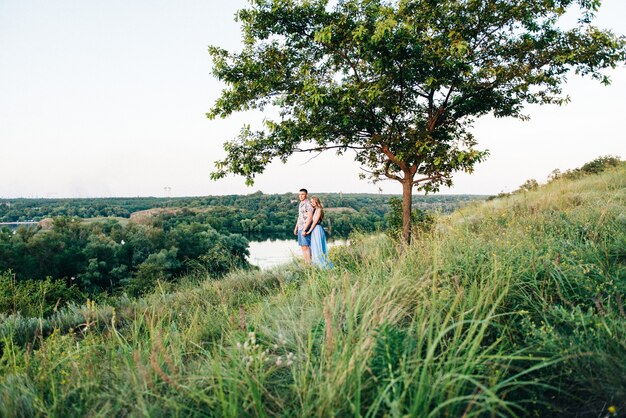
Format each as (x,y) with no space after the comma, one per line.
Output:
(319,205)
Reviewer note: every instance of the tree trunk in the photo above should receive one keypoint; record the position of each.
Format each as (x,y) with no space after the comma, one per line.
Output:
(407,200)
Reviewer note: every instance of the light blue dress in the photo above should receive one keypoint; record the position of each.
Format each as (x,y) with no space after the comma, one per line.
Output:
(319,251)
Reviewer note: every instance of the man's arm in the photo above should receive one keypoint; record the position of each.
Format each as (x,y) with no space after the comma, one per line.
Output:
(309,218)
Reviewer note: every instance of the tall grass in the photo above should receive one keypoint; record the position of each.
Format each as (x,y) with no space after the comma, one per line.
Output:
(513,307)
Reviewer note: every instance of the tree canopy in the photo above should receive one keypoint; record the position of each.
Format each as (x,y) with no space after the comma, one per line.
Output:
(398,82)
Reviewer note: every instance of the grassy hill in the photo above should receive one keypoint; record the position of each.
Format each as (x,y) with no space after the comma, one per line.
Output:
(512,307)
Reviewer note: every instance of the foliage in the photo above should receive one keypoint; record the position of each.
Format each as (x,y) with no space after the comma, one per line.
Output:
(595,166)
(529,185)
(107,256)
(421,221)
(35,297)
(398,84)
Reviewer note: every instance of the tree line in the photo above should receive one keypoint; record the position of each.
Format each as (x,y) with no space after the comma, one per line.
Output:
(246,214)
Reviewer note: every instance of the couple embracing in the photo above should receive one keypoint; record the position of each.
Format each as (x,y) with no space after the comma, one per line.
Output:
(311,235)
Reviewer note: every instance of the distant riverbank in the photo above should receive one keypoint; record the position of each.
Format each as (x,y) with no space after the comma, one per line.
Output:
(15,225)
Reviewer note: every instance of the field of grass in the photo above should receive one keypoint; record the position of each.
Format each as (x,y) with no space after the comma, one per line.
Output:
(512,307)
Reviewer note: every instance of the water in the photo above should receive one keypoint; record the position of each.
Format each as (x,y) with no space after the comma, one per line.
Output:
(271,253)
(14,225)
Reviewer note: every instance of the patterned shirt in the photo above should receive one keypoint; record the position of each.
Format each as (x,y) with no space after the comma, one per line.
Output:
(303,211)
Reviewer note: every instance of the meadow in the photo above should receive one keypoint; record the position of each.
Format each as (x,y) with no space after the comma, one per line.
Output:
(511,307)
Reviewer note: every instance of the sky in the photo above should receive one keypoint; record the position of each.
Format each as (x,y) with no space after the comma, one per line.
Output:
(102,99)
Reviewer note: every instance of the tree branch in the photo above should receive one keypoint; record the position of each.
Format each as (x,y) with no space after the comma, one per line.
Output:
(391,175)
(331,147)
(312,158)
(387,174)
(437,176)
(385,149)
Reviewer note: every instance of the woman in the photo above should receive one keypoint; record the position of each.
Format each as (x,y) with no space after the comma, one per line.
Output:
(319,252)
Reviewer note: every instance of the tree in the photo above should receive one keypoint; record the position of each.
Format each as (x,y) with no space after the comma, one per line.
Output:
(398,82)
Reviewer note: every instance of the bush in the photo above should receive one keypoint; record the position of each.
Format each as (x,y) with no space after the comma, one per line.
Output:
(421,220)
(35,298)
(600,164)
(528,186)
(596,166)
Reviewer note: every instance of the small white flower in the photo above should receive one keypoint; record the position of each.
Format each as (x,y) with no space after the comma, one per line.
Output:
(238,345)
(279,361)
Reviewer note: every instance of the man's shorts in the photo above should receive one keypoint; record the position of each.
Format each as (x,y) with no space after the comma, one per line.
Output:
(304,241)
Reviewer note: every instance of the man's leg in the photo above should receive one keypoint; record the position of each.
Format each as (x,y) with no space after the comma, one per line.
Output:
(306,252)
(304,243)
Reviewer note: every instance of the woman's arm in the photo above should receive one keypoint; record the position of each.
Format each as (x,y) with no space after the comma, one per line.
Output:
(316,218)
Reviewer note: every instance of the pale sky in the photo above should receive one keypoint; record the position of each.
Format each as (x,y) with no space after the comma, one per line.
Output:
(109,99)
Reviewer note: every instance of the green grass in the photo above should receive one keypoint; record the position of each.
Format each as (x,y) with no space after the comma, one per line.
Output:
(512,307)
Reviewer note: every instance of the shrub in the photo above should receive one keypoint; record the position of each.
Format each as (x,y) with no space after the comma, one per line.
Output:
(596,166)
(35,297)
(600,164)
(421,221)
(528,186)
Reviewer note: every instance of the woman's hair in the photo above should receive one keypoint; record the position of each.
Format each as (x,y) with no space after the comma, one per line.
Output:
(319,205)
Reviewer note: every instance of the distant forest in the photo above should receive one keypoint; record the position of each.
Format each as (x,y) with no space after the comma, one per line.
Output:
(246,214)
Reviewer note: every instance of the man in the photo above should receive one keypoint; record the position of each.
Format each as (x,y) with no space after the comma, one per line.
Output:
(305,215)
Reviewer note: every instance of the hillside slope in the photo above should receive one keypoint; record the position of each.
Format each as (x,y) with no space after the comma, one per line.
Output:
(512,307)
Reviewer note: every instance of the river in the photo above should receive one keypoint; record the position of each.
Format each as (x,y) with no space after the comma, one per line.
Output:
(271,253)
(15,225)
